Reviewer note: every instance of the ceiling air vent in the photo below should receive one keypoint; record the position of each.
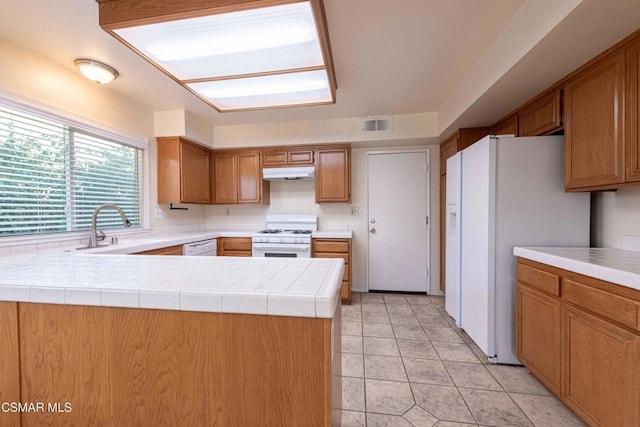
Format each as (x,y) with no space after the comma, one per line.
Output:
(377,124)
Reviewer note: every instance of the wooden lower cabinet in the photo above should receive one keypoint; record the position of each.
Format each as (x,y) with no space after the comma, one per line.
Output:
(336,248)
(539,348)
(580,337)
(169,250)
(141,367)
(235,246)
(601,361)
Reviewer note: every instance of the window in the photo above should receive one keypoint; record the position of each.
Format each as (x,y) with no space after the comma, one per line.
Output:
(54,174)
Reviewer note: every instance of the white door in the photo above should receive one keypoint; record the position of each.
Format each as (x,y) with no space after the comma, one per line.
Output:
(397,215)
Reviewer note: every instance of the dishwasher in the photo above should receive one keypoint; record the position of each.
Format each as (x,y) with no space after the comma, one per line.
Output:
(202,248)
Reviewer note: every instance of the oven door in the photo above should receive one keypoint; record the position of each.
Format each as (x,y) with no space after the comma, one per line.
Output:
(278,250)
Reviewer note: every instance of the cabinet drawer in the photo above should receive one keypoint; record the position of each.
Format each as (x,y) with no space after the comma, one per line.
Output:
(300,157)
(614,307)
(327,255)
(539,279)
(236,244)
(331,246)
(274,158)
(237,253)
(169,250)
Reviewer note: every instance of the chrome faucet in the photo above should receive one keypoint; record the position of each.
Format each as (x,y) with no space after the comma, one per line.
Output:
(93,234)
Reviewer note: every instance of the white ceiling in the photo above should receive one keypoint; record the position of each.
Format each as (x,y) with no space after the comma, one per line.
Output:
(391,57)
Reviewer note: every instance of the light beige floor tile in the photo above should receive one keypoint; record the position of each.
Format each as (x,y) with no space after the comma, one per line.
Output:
(384,368)
(388,397)
(455,352)
(431,309)
(517,379)
(494,408)
(479,353)
(355,297)
(437,300)
(351,344)
(352,365)
(432,320)
(546,411)
(409,332)
(444,403)
(427,371)
(353,419)
(381,420)
(421,349)
(471,375)
(394,299)
(375,317)
(381,346)
(371,297)
(419,417)
(382,330)
(441,334)
(418,299)
(374,307)
(353,394)
(399,308)
(463,335)
(350,307)
(352,316)
(403,319)
(352,328)
(452,424)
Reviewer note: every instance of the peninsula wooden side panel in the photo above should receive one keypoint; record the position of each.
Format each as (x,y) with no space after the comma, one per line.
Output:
(143,367)
(9,362)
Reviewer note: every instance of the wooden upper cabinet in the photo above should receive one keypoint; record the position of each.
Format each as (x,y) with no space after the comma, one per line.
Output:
(238,178)
(447,149)
(333,174)
(249,178)
(594,126)
(542,116)
(282,157)
(184,171)
(226,184)
(633,112)
(508,126)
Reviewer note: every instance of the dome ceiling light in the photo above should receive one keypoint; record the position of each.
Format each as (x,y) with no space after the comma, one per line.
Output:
(96,71)
(240,55)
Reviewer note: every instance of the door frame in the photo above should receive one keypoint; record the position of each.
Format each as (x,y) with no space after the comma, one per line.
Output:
(427,152)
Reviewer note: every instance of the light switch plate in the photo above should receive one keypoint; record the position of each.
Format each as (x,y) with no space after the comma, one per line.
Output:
(158,212)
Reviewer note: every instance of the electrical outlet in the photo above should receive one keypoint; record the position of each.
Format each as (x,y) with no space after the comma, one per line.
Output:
(227,211)
(354,211)
(158,212)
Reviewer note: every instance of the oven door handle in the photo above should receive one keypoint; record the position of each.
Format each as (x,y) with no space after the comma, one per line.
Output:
(289,247)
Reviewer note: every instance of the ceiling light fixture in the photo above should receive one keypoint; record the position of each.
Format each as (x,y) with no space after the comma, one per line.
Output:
(96,71)
(243,55)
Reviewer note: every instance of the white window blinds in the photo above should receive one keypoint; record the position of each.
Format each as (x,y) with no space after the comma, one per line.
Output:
(53,175)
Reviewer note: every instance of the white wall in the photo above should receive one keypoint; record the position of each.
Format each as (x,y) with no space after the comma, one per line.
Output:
(615,214)
(298,197)
(28,76)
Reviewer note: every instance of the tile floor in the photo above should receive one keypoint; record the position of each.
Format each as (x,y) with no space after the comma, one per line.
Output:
(404,364)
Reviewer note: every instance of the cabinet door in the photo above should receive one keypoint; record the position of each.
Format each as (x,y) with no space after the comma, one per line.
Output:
(274,158)
(508,126)
(249,178)
(447,149)
(633,112)
(9,361)
(538,335)
(594,125)
(300,157)
(225,178)
(443,230)
(601,375)
(194,174)
(333,177)
(542,116)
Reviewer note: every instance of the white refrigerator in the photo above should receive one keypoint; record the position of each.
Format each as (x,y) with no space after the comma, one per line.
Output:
(507,192)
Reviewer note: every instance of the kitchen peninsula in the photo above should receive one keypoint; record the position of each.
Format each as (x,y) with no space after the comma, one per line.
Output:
(147,340)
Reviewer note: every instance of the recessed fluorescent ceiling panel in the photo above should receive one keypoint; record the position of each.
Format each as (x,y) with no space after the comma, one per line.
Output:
(256,58)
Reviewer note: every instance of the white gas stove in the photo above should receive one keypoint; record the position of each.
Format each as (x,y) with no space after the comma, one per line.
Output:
(286,236)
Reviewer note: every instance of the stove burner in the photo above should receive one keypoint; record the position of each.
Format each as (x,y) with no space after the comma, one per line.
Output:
(270,231)
(300,231)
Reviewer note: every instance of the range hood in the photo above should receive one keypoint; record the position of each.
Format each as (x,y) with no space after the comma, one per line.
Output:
(282,174)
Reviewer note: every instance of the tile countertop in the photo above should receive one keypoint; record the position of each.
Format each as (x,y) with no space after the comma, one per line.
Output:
(303,287)
(612,265)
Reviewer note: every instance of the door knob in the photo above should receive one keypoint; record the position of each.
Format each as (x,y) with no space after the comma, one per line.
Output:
(373,230)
